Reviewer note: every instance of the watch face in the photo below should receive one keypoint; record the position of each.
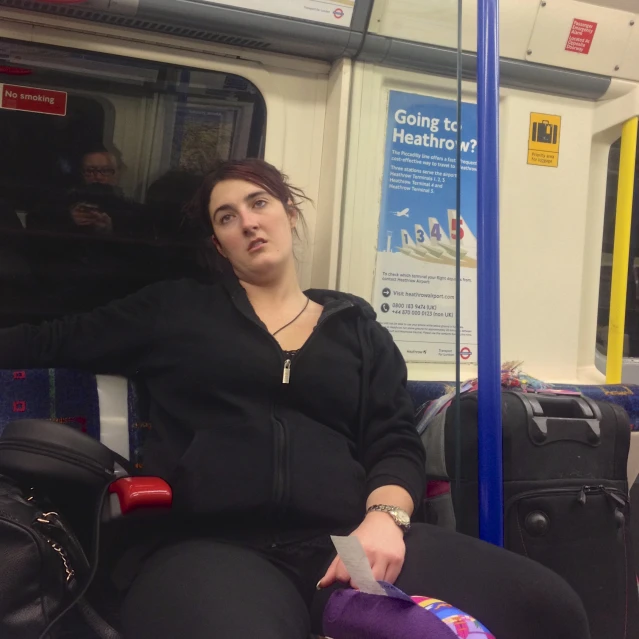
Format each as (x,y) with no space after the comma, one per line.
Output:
(402,517)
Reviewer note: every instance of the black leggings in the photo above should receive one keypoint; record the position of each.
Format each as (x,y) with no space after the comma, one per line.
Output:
(203,588)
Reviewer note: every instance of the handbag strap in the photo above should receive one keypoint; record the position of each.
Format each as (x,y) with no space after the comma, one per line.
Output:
(91,617)
(124,463)
(101,628)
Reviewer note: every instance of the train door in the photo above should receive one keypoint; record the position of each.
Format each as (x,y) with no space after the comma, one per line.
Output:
(631,337)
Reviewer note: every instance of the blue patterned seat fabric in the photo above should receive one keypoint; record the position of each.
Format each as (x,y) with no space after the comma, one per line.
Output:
(65,396)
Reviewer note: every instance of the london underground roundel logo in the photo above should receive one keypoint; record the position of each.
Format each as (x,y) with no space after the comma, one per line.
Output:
(465,352)
(338,13)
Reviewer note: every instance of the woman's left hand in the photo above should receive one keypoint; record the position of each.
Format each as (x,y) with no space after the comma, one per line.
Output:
(383,542)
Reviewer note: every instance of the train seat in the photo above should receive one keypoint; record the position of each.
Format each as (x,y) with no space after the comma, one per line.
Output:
(94,404)
(115,411)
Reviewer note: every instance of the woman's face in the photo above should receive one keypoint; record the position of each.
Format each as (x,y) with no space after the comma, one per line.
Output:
(252,228)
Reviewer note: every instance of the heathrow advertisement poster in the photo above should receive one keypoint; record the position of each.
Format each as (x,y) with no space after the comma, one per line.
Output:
(415,276)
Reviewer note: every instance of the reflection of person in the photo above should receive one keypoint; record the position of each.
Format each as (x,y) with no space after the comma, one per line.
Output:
(279,417)
(85,214)
(174,256)
(166,199)
(84,207)
(13,263)
(97,206)
(99,167)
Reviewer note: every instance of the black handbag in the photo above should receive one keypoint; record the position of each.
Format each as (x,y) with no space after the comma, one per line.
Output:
(45,571)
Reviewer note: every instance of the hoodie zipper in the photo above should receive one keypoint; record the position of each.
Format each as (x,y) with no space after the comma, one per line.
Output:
(279,430)
(286,375)
(280,461)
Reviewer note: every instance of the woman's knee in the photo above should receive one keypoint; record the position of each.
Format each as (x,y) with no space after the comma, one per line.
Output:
(547,604)
(510,594)
(202,589)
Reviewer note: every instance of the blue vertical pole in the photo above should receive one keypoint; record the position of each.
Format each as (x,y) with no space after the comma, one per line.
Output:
(491,498)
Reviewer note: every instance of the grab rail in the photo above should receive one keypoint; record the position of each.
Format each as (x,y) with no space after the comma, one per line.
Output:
(621,252)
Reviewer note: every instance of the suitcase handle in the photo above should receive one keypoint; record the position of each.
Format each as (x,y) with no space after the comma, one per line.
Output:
(554,418)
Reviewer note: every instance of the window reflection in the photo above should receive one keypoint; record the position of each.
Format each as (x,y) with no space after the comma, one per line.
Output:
(91,204)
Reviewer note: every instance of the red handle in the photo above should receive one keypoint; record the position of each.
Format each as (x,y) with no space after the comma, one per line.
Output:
(135,493)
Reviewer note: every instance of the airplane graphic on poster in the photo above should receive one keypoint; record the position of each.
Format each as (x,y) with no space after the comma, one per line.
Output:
(425,242)
(413,250)
(436,246)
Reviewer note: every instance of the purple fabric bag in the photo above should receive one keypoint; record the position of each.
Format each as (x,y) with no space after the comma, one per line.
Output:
(352,614)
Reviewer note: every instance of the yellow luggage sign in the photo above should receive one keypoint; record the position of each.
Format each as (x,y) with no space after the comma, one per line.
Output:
(543,139)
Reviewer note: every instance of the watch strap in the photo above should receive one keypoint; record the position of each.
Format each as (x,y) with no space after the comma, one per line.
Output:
(393,511)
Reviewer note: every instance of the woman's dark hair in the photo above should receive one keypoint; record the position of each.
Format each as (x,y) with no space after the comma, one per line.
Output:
(253,170)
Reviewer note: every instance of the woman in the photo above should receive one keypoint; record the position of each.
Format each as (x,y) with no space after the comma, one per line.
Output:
(280,417)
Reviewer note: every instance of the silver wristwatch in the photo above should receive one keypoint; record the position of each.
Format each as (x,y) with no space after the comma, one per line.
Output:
(400,517)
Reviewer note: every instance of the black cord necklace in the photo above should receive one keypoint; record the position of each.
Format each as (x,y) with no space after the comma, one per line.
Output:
(279,330)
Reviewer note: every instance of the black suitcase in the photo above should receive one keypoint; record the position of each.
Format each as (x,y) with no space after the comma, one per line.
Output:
(566,500)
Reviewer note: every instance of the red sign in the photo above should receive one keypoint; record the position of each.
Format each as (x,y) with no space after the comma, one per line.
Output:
(32,99)
(581,35)
(15,70)
(465,352)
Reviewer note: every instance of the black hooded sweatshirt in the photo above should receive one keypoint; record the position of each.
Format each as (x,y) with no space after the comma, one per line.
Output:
(232,439)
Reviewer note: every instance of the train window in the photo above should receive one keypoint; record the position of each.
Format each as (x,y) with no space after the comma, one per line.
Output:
(631,340)
(99,155)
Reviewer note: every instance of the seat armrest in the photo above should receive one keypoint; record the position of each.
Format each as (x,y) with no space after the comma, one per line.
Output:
(130,494)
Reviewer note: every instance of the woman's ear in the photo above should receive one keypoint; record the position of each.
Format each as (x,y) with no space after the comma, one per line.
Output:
(293,215)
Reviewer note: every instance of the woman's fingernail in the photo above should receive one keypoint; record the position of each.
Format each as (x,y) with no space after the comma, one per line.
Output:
(319,585)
